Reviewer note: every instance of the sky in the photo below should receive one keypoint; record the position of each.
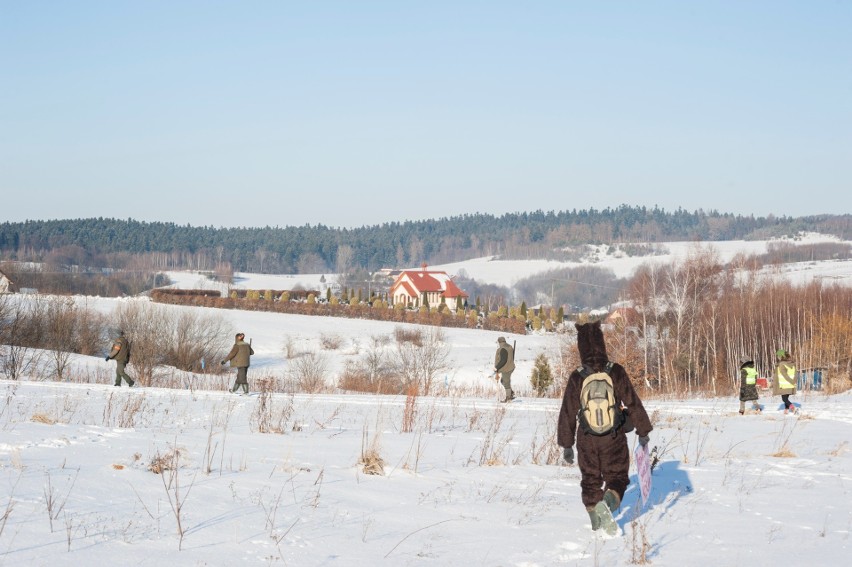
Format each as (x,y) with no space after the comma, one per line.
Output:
(474,482)
(349,114)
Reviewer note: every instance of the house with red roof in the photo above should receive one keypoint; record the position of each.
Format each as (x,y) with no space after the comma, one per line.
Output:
(420,287)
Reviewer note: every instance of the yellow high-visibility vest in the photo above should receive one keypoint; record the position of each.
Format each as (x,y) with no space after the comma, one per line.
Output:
(751,376)
(786,375)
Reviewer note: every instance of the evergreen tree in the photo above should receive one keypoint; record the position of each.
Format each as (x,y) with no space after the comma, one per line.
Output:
(542,377)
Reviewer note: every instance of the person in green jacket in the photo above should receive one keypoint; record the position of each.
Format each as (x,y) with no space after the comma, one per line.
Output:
(120,353)
(784,382)
(504,365)
(748,384)
(240,357)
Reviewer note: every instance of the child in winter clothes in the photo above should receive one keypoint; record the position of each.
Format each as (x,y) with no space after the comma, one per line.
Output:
(748,384)
(785,379)
(604,460)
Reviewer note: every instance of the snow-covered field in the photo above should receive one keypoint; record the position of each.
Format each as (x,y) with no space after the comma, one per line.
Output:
(465,480)
(474,482)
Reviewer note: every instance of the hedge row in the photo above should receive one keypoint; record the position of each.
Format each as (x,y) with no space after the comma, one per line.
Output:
(361,311)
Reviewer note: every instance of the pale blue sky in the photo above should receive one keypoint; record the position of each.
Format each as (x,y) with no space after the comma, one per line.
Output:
(358,113)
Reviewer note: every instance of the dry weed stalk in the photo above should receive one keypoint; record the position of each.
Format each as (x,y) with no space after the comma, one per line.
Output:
(169,466)
(842,448)
(161,463)
(267,417)
(491,450)
(547,452)
(330,341)
(10,505)
(329,419)
(639,543)
(54,502)
(783,441)
(43,418)
(371,460)
(131,408)
(410,411)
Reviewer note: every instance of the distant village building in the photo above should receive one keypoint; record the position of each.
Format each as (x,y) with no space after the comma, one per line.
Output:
(418,287)
(6,284)
(623,316)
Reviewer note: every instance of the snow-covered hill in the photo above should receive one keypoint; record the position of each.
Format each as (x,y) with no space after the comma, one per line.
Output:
(493,270)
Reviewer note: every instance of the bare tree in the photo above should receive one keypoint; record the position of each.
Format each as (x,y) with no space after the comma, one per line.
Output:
(147,328)
(60,332)
(163,335)
(345,257)
(195,337)
(419,364)
(18,335)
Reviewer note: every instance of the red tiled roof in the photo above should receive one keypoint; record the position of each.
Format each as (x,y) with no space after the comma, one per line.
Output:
(453,290)
(423,281)
(407,287)
(416,282)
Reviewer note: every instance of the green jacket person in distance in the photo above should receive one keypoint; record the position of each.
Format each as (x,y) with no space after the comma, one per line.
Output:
(504,365)
(240,357)
(120,353)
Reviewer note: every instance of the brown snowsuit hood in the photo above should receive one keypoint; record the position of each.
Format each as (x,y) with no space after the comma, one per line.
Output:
(591,345)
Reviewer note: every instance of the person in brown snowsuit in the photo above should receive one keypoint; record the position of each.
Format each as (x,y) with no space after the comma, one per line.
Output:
(240,357)
(604,460)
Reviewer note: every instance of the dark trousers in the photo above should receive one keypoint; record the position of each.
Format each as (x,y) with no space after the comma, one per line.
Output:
(604,465)
(120,373)
(242,379)
(786,399)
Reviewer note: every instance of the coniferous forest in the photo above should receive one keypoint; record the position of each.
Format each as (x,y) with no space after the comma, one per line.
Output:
(115,243)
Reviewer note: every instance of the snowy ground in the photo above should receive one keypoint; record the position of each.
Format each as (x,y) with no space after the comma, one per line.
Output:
(474,482)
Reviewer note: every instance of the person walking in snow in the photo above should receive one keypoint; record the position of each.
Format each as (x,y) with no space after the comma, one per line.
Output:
(784,383)
(240,357)
(748,384)
(504,365)
(604,458)
(120,353)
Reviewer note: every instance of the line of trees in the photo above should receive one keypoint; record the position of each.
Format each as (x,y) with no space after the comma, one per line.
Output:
(695,319)
(42,331)
(316,249)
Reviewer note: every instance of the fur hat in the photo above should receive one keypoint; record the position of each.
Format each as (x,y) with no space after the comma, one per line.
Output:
(745,360)
(501,340)
(591,345)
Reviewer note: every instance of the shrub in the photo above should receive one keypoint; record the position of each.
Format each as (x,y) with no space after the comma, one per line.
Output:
(542,376)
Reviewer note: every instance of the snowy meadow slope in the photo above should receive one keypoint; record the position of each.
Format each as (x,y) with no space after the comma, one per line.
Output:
(469,481)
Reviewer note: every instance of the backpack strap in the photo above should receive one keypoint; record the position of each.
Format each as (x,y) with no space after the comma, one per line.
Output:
(585,371)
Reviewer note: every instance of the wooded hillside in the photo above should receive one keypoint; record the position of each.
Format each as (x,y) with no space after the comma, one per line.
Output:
(118,243)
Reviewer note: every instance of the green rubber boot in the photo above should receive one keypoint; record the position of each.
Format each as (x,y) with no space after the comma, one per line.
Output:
(593,516)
